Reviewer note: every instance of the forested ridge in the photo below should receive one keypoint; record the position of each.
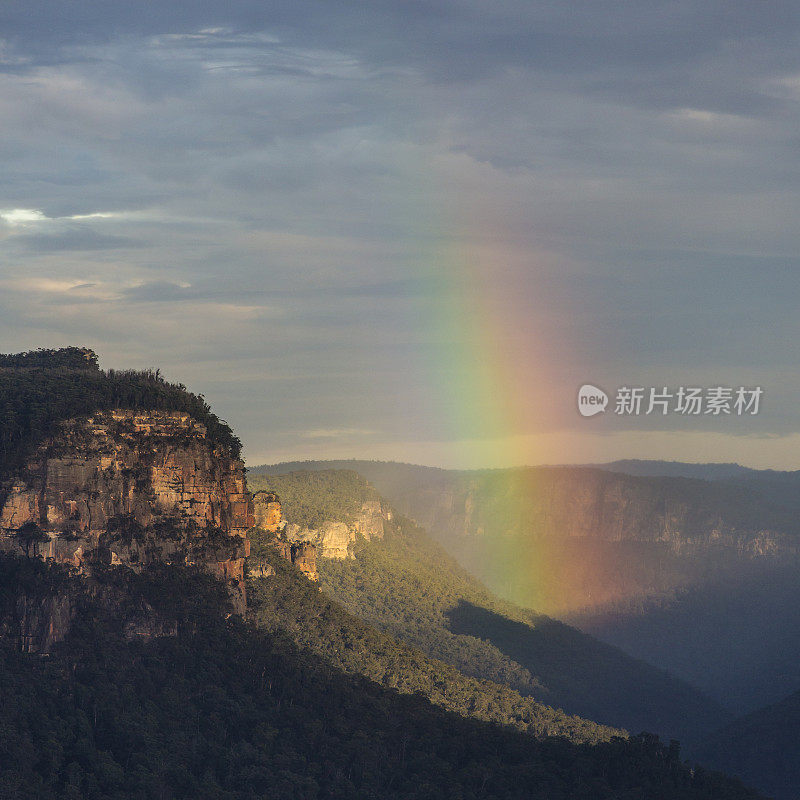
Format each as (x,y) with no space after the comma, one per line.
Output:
(41,388)
(311,498)
(227,710)
(287,602)
(408,587)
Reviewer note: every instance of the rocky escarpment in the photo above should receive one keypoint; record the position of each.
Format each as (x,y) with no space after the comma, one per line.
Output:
(565,539)
(686,516)
(269,518)
(128,488)
(333,538)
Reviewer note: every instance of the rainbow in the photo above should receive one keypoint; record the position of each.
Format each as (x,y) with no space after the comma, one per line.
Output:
(487,360)
(494,373)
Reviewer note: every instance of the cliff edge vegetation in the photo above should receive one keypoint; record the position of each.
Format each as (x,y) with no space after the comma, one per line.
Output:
(42,388)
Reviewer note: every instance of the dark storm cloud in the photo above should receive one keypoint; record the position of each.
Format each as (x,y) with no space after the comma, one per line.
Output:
(611,43)
(265,198)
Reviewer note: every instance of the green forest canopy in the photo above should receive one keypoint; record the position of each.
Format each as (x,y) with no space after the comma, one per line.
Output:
(311,498)
(41,388)
(287,602)
(408,587)
(226,710)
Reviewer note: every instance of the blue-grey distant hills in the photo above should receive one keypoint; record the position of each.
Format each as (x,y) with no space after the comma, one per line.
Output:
(777,486)
(677,469)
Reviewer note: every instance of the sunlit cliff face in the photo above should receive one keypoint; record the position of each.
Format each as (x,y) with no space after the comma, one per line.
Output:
(130,488)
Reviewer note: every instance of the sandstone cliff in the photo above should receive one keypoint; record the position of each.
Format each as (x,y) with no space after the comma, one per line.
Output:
(564,539)
(269,518)
(333,538)
(687,517)
(128,488)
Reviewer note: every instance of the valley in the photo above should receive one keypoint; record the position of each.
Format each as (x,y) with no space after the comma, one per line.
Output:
(695,576)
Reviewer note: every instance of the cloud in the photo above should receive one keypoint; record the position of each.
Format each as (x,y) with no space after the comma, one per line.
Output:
(21,216)
(298,207)
(74,239)
(159,292)
(34,231)
(32,216)
(46,285)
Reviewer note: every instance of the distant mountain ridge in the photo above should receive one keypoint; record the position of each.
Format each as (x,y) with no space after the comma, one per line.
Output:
(734,518)
(678,469)
(779,487)
(387,472)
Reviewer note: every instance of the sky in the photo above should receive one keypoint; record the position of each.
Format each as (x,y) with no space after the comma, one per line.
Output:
(412,230)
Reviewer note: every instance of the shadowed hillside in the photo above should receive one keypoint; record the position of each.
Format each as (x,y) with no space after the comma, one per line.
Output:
(694,576)
(408,586)
(762,748)
(221,709)
(285,602)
